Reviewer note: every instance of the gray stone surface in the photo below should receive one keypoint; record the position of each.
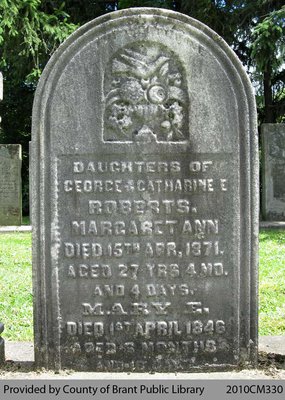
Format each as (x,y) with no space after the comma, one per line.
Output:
(1,86)
(272,344)
(2,345)
(9,229)
(273,171)
(145,199)
(20,359)
(21,356)
(19,351)
(24,351)
(10,184)
(272,225)
(2,349)
(10,180)
(1,89)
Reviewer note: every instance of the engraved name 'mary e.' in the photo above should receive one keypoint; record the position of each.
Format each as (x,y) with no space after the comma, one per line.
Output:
(144,214)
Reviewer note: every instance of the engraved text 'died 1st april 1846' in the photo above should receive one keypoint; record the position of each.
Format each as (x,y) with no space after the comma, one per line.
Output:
(144,195)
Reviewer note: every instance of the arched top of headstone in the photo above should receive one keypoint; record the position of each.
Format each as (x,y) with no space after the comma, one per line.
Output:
(168,67)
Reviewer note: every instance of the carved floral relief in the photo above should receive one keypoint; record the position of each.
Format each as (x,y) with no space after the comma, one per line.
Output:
(145,95)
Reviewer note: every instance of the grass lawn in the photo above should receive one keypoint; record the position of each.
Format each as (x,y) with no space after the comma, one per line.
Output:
(16,284)
(272,282)
(26,220)
(16,310)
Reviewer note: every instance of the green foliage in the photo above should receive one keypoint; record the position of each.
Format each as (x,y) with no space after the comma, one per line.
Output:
(268,43)
(145,3)
(81,12)
(255,31)
(267,55)
(30,31)
(29,34)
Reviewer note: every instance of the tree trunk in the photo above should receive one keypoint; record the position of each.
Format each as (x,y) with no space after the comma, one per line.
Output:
(268,101)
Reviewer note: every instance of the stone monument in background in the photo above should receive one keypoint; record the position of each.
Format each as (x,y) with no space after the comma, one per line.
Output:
(10,180)
(1,89)
(144,199)
(10,184)
(273,172)
(2,343)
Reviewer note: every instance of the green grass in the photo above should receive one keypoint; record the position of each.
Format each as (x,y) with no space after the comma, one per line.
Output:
(272,282)
(16,284)
(26,220)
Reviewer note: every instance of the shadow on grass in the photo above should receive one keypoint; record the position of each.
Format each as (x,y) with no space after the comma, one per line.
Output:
(274,235)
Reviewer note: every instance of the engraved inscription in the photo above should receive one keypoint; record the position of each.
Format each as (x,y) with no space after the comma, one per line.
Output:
(142,262)
(10,184)
(147,328)
(146,96)
(277,155)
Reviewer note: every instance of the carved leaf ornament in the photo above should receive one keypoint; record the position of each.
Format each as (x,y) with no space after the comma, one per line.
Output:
(146,100)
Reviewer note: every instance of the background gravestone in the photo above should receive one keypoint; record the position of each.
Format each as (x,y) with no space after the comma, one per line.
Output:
(2,349)
(10,180)
(2,344)
(10,184)
(1,89)
(273,172)
(145,199)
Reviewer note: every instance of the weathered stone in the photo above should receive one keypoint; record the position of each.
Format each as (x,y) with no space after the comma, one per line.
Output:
(273,172)
(145,199)
(10,184)
(1,88)
(2,345)
(2,350)
(10,180)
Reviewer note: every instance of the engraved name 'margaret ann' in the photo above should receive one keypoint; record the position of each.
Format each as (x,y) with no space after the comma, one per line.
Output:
(135,228)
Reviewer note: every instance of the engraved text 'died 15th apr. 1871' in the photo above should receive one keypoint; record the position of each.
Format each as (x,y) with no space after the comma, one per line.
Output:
(145,199)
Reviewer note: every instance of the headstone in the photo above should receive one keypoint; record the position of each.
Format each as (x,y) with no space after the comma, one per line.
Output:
(10,184)
(2,345)
(2,350)
(145,199)
(273,172)
(1,89)
(10,180)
